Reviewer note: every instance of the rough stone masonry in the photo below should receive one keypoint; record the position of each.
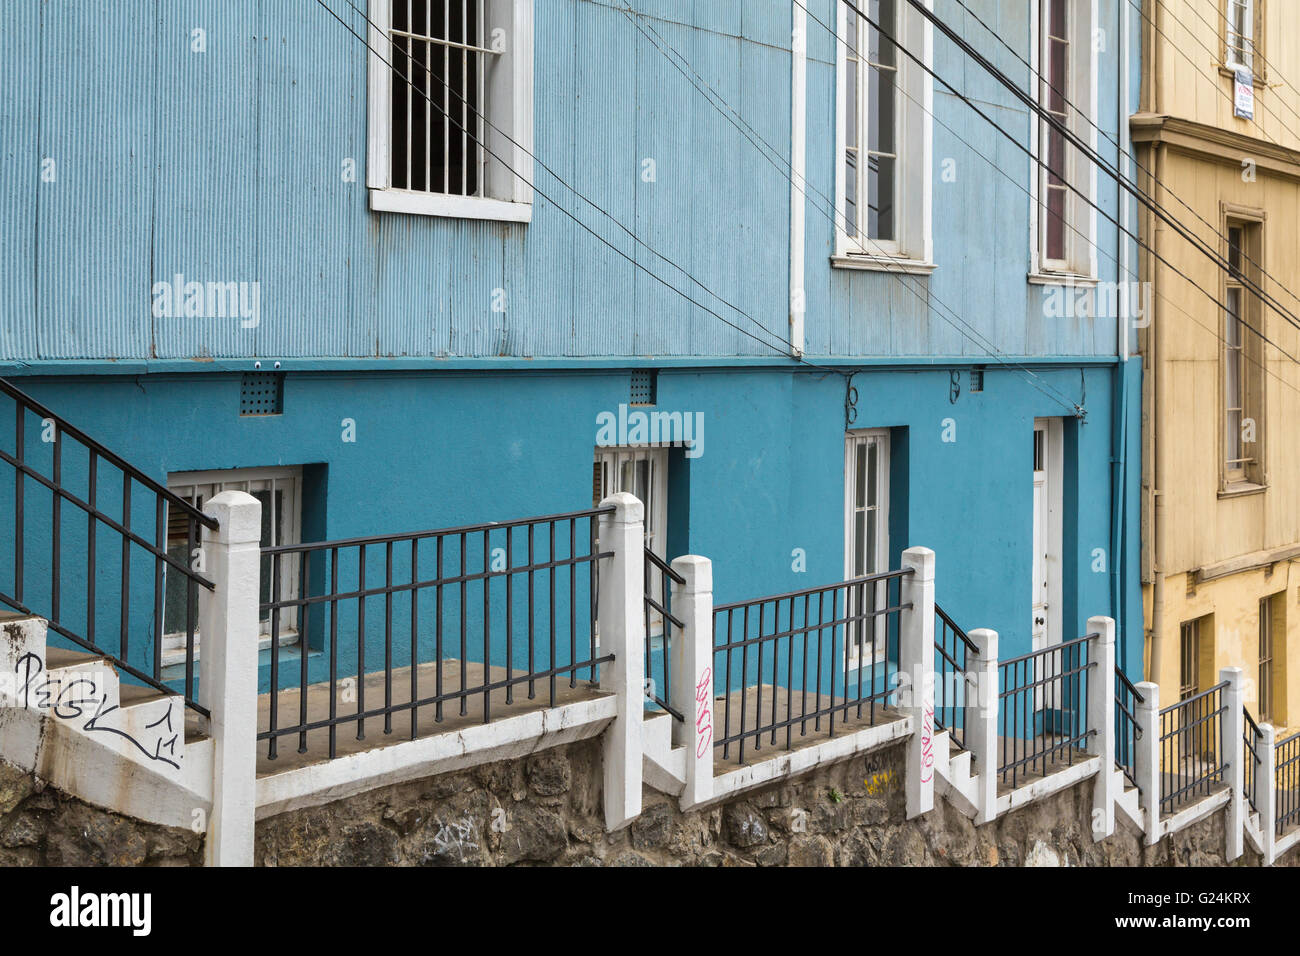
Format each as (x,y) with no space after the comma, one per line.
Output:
(545,810)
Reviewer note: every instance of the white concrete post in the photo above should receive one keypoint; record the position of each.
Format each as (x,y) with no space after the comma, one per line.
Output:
(1146,761)
(1234,758)
(1265,792)
(620,611)
(1101,722)
(916,676)
(982,720)
(692,680)
(228,672)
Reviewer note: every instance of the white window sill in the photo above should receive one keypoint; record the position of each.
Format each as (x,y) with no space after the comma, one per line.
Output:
(173,651)
(1062,278)
(452,207)
(897,265)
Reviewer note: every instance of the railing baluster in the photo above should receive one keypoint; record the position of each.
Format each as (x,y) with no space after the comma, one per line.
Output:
(388,638)
(415,635)
(487,626)
(273,701)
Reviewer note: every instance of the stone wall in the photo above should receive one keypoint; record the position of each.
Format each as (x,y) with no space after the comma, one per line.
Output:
(42,826)
(546,810)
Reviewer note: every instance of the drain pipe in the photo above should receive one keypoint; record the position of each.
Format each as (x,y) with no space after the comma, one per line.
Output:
(798,163)
(1119,413)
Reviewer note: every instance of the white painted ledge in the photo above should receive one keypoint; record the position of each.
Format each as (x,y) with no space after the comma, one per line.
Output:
(513,737)
(801,761)
(452,207)
(1044,788)
(1193,814)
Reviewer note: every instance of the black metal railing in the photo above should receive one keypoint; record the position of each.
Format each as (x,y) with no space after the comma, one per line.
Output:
(659,626)
(1043,710)
(1191,751)
(83,515)
(800,650)
(1127,731)
(1286,777)
(416,623)
(952,653)
(1252,741)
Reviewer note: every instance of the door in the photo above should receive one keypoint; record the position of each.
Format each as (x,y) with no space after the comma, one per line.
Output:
(1045,604)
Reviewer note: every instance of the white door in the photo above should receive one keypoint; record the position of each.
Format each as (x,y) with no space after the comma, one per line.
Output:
(1045,606)
(1040,603)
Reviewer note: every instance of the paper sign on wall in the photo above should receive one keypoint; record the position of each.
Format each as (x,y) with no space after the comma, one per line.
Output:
(1243,101)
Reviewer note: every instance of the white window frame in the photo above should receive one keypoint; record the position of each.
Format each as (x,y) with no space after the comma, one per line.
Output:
(508,99)
(912,248)
(852,441)
(286,479)
(1080,263)
(1250,41)
(610,459)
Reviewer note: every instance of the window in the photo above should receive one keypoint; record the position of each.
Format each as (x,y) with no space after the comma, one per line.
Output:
(451,100)
(1243,375)
(1265,680)
(280,492)
(1242,30)
(884,133)
(1065,182)
(642,472)
(866,535)
(1189,659)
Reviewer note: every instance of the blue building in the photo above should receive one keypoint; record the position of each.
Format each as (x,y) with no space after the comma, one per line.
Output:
(418,264)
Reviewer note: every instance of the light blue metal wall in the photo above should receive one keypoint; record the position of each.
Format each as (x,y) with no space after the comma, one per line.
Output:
(227,166)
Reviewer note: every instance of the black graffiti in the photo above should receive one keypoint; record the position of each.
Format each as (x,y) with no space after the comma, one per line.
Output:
(70,701)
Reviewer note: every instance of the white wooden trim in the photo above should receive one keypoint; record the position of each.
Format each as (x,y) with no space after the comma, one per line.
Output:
(452,207)
(509,201)
(913,246)
(852,440)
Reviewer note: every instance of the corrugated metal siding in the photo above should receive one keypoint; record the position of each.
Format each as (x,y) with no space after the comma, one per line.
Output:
(227,166)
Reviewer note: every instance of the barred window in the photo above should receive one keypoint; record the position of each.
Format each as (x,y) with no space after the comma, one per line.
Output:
(451,108)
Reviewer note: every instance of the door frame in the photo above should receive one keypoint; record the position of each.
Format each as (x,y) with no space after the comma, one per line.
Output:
(1054,476)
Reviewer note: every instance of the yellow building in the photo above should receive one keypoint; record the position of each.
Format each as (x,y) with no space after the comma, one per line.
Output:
(1221,402)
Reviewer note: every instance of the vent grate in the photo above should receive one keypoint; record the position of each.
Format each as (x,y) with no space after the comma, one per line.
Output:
(977,380)
(645,388)
(261,393)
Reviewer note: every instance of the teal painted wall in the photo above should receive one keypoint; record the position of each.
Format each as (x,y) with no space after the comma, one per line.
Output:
(443,450)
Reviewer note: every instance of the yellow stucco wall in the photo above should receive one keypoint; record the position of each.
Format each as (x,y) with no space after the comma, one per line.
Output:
(1231,635)
(1195,526)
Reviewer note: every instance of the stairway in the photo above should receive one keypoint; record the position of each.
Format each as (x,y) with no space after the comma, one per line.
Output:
(954,778)
(67,717)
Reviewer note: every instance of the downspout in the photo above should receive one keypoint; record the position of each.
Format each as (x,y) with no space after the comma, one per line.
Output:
(1155,333)
(1119,428)
(798,163)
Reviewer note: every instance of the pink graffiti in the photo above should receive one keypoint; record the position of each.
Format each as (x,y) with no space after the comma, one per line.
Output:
(927,742)
(704,713)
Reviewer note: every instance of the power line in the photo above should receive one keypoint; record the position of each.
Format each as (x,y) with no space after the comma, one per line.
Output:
(1024,149)
(834,218)
(1073,406)
(1037,109)
(447,115)
(998,168)
(1083,114)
